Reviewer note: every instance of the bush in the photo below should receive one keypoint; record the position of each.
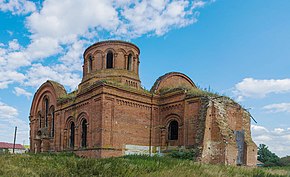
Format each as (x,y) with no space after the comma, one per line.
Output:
(189,154)
(285,161)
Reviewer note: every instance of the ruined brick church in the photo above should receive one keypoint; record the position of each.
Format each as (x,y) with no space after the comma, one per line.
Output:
(110,114)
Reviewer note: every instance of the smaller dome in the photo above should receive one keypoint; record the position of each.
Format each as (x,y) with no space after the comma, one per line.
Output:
(172,80)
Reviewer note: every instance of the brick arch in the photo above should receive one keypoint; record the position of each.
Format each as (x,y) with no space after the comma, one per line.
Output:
(131,52)
(51,88)
(98,59)
(113,59)
(38,103)
(46,96)
(68,123)
(171,117)
(98,51)
(122,50)
(51,108)
(38,106)
(81,117)
(94,53)
(110,49)
(121,63)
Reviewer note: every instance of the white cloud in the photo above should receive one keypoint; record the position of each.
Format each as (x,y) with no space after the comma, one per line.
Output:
(14,45)
(8,120)
(38,74)
(41,48)
(66,70)
(278,139)
(254,88)
(77,18)
(279,130)
(17,7)
(157,17)
(280,107)
(7,112)
(263,138)
(127,18)
(19,91)
(10,77)
(259,130)
(61,30)
(73,58)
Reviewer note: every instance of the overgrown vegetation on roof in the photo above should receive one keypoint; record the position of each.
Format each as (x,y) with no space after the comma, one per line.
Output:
(72,96)
(125,87)
(193,92)
(67,97)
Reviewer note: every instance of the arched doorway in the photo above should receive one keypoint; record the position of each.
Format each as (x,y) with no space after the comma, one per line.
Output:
(173,130)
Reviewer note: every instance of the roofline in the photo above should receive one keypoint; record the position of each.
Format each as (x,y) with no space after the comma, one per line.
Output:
(110,42)
(42,86)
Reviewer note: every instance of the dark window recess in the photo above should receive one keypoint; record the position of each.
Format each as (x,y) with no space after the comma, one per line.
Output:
(46,111)
(173,130)
(109,59)
(90,63)
(129,62)
(84,133)
(72,135)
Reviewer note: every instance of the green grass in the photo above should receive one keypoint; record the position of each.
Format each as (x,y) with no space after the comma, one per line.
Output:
(69,165)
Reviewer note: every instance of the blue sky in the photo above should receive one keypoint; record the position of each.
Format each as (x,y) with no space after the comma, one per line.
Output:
(237,48)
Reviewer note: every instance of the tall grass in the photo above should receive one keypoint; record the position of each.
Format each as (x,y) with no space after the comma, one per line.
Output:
(70,165)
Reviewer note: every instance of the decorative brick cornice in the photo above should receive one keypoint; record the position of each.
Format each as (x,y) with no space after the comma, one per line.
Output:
(132,104)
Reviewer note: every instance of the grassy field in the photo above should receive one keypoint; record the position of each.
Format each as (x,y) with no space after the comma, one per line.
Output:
(69,165)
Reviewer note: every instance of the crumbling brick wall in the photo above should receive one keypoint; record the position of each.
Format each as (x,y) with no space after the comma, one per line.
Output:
(224,120)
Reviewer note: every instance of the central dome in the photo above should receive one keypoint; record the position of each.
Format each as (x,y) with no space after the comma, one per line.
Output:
(112,60)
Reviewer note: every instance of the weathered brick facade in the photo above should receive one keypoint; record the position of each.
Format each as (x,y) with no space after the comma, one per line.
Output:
(111,115)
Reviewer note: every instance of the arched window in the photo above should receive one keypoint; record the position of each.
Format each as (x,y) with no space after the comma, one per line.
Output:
(46,104)
(52,122)
(129,62)
(90,64)
(84,133)
(109,59)
(72,135)
(173,130)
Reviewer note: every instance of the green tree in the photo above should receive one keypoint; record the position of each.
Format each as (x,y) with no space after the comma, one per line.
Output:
(267,157)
